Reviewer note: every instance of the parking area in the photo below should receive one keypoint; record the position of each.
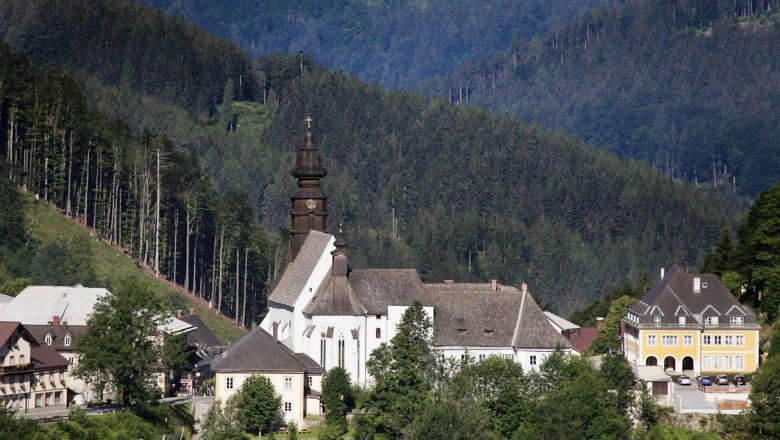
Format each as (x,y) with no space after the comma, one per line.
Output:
(726,399)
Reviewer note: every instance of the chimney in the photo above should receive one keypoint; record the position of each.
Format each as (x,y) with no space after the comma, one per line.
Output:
(696,284)
(55,320)
(662,272)
(599,321)
(192,311)
(179,313)
(494,285)
(524,287)
(449,281)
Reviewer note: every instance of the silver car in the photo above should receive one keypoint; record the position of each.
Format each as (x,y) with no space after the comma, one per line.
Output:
(684,380)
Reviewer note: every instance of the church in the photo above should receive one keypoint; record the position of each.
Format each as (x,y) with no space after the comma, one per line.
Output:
(337,316)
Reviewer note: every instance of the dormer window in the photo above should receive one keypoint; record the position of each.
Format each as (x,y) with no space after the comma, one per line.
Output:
(488,331)
(710,320)
(737,320)
(461,331)
(681,320)
(656,319)
(48,340)
(66,340)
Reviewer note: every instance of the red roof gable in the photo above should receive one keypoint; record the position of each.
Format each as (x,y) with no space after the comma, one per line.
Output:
(581,338)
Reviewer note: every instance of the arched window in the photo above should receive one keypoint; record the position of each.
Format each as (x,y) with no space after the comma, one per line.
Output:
(378,332)
(341,351)
(323,345)
(66,340)
(47,340)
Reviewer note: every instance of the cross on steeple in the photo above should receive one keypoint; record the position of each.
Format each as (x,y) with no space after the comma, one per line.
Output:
(308,121)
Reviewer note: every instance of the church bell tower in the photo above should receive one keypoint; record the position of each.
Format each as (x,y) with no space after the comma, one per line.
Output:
(308,206)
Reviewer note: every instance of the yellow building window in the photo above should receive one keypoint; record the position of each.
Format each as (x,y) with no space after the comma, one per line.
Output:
(669,340)
(651,340)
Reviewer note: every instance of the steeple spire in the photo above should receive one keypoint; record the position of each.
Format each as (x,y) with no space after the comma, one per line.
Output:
(340,262)
(308,206)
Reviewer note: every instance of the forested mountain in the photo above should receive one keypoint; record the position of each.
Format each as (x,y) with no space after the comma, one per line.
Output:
(690,86)
(395,43)
(128,45)
(456,191)
(138,192)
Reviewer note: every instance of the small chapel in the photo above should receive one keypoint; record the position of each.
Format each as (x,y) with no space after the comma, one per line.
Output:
(324,310)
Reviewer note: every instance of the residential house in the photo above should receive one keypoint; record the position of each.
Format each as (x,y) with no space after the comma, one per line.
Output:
(296,377)
(32,375)
(691,322)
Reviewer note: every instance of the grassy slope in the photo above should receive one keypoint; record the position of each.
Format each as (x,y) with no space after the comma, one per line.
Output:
(112,265)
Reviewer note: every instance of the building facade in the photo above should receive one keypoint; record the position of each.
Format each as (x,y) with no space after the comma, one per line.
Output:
(692,323)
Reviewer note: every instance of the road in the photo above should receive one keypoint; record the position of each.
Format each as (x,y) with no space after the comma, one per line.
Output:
(200,406)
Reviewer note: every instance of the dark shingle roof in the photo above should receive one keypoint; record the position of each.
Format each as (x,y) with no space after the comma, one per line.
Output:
(294,278)
(260,352)
(46,357)
(533,329)
(465,314)
(57,333)
(201,336)
(335,297)
(673,296)
(379,288)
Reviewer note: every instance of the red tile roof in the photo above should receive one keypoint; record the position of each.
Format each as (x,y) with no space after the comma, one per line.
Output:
(581,338)
(7,328)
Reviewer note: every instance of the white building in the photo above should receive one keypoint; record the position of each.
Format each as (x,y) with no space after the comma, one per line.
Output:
(338,316)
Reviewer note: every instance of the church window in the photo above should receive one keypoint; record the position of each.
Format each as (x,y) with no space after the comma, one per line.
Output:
(47,340)
(532,360)
(341,352)
(378,332)
(229,383)
(66,340)
(288,383)
(323,345)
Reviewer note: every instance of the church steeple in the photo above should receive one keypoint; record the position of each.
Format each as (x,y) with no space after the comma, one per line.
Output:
(340,262)
(308,206)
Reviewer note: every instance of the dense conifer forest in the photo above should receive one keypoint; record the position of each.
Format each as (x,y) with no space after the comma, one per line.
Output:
(395,43)
(455,191)
(140,193)
(688,86)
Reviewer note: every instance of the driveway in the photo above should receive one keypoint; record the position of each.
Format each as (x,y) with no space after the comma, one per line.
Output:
(688,399)
(200,406)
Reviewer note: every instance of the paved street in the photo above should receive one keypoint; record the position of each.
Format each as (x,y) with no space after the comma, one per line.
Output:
(690,399)
(200,406)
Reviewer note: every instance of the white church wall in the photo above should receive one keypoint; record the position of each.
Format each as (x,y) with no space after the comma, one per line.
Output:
(279,314)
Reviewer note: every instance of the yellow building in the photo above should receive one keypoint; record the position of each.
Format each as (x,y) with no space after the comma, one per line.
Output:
(691,323)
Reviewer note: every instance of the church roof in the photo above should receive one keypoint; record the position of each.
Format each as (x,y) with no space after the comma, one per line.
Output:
(335,297)
(379,288)
(674,296)
(259,352)
(471,317)
(294,278)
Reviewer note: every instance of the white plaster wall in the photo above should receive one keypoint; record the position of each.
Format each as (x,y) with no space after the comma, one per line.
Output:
(295,395)
(477,353)
(276,313)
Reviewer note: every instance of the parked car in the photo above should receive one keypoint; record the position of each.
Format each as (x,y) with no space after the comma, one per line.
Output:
(739,380)
(722,379)
(684,380)
(705,381)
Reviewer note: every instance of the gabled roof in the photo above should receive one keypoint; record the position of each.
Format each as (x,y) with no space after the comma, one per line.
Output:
(45,357)
(335,297)
(259,352)
(58,333)
(561,322)
(7,329)
(201,335)
(581,338)
(36,305)
(533,330)
(471,317)
(379,288)
(294,278)
(675,291)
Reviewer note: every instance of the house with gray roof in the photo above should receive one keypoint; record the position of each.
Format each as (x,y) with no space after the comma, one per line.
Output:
(690,322)
(296,377)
